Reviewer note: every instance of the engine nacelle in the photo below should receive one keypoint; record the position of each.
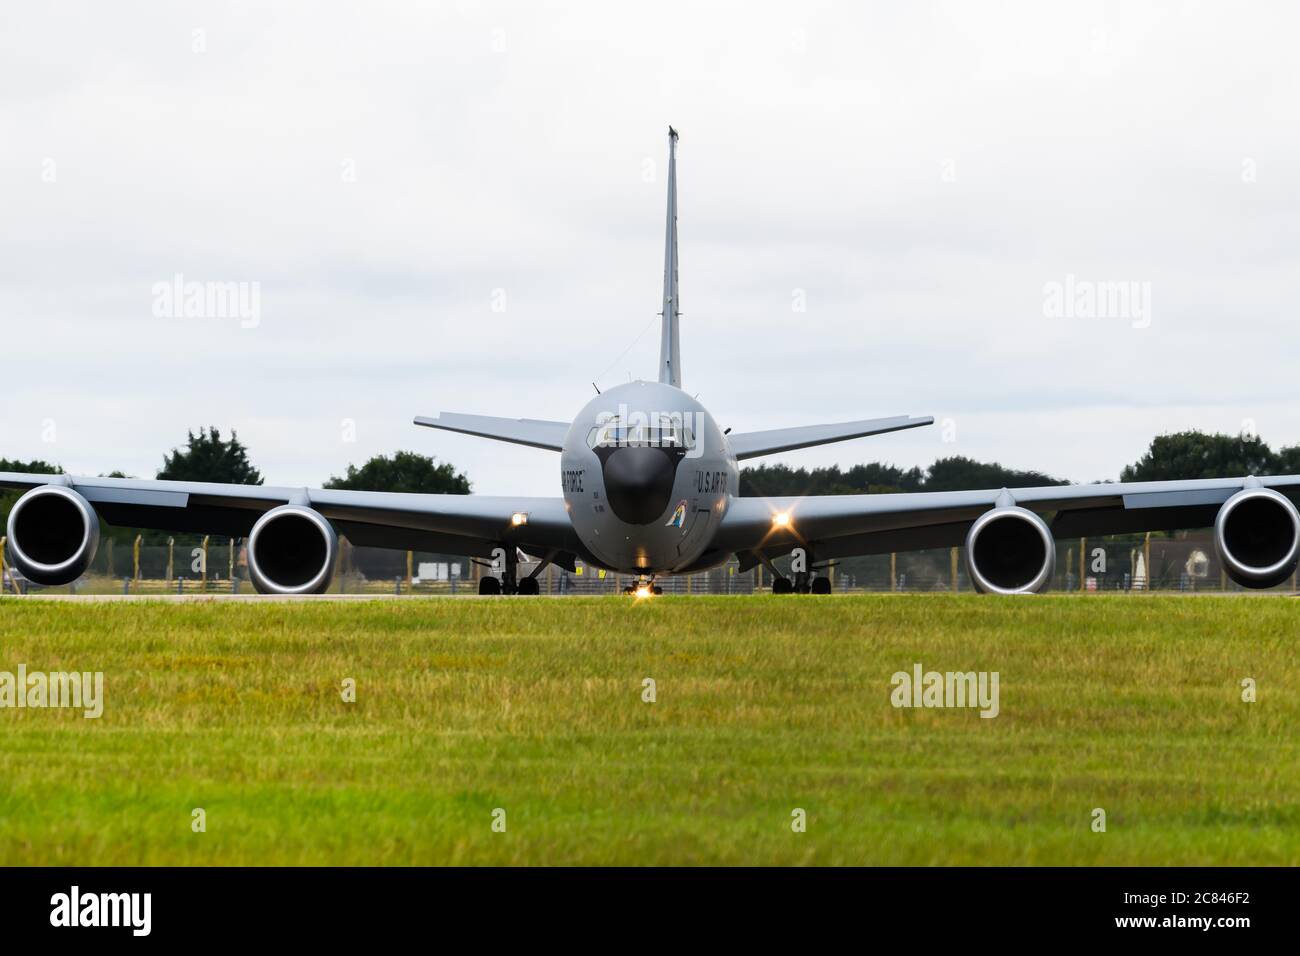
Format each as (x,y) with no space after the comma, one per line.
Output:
(291,550)
(53,535)
(1257,537)
(1010,551)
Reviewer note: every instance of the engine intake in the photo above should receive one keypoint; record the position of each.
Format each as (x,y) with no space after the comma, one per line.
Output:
(1257,537)
(1010,551)
(291,550)
(53,535)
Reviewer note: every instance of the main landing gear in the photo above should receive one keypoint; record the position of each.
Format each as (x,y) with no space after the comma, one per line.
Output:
(510,582)
(802,582)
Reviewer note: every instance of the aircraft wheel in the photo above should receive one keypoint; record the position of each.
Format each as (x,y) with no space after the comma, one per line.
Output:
(529,586)
(782,586)
(489,585)
(821,586)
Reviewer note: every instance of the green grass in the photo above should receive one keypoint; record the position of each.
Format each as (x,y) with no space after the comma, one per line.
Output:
(1131,704)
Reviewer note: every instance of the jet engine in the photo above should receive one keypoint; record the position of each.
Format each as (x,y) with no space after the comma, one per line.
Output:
(291,550)
(53,535)
(1010,551)
(1257,537)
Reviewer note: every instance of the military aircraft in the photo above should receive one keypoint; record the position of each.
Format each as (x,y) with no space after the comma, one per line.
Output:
(649,488)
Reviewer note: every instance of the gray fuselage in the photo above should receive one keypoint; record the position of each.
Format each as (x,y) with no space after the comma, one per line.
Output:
(647,476)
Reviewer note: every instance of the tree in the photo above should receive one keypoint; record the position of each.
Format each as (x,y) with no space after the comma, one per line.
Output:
(1194,454)
(208,458)
(1288,461)
(404,471)
(946,474)
(966,474)
(773,480)
(7,498)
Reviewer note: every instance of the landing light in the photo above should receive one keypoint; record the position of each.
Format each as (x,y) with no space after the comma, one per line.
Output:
(519,518)
(781,519)
(643,591)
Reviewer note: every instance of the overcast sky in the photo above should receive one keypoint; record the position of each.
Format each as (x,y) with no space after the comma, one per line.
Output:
(459,207)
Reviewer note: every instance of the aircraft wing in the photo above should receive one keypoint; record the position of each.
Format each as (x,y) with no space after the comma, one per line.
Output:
(753,444)
(452,524)
(845,525)
(518,431)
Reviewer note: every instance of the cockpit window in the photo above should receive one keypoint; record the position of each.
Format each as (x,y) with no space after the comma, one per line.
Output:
(617,434)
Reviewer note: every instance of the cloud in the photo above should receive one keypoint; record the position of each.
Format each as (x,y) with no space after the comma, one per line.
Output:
(389,173)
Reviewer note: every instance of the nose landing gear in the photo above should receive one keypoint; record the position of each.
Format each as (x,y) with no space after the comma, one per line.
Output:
(645,586)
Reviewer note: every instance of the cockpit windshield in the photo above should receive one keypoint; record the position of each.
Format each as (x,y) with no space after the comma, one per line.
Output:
(619,434)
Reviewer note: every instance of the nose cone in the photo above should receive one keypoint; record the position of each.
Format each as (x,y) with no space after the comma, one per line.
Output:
(639,482)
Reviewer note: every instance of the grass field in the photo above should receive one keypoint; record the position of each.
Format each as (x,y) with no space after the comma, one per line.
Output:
(1131,704)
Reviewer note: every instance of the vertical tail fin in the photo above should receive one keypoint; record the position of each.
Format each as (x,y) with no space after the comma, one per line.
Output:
(670,369)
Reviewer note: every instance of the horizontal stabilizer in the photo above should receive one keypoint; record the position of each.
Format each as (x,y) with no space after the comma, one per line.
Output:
(518,431)
(753,444)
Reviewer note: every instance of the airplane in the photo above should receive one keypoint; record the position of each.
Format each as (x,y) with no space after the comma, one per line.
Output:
(650,488)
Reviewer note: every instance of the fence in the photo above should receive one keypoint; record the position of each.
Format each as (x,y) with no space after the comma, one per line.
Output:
(1183,561)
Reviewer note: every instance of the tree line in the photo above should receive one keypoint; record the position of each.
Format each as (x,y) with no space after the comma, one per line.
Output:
(1181,455)
(207,456)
